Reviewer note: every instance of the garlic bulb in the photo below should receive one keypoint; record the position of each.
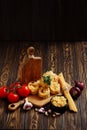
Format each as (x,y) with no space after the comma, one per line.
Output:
(27,105)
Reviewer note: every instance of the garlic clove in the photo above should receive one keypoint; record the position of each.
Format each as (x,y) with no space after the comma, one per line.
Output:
(27,105)
(41,110)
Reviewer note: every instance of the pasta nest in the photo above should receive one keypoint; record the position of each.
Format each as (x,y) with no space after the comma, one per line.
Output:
(44,92)
(53,76)
(54,87)
(34,86)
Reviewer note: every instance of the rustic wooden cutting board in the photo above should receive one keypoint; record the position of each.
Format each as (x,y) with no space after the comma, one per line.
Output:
(31,69)
(34,99)
(38,101)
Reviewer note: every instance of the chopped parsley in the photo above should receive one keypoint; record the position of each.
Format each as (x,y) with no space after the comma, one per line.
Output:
(47,80)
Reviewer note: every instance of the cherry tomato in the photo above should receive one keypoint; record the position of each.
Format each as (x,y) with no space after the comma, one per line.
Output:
(23,91)
(14,86)
(18,84)
(13,97)
(3,92)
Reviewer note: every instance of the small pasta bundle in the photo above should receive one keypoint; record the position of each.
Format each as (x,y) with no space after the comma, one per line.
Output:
(53,76)
(44,92)
(47,77)
(54,87)
(34,87)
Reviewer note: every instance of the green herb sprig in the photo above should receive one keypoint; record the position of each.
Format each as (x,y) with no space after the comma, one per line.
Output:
(47,80)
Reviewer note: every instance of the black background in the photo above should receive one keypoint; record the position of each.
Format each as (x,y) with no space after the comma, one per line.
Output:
(43,20)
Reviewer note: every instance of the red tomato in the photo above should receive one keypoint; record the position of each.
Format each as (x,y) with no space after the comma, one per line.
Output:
(18,84)
(3,92)
(13,97)
(23,91)
(14,86)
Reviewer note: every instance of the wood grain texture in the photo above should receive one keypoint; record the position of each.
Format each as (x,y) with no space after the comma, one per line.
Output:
(71,59)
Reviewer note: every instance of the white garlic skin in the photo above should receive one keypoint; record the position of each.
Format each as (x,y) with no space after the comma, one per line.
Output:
(41,110)
(27,105)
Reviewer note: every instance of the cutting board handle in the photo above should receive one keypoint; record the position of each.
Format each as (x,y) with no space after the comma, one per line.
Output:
(30,52)
(14,106)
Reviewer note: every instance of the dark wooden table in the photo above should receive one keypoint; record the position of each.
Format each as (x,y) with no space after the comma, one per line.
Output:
(71,59)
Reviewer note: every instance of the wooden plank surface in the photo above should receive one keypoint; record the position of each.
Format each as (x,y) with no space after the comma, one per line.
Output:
(69,58)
